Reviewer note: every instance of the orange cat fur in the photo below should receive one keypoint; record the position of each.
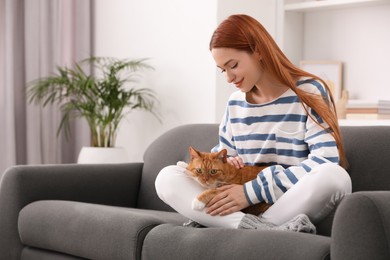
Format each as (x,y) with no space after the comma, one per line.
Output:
(211,170)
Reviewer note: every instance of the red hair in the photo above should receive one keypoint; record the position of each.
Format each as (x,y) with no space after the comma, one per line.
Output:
(245,33)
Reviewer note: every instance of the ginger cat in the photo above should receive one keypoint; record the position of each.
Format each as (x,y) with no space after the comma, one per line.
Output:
(211,170)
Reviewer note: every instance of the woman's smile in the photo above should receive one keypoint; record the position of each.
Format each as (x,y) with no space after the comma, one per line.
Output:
(238,83)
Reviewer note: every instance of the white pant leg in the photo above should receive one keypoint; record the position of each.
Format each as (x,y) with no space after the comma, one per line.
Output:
(177,189)
(315,195)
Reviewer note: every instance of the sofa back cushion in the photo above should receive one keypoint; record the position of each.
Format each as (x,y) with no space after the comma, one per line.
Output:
(168,149)
(367,150)
(368,154)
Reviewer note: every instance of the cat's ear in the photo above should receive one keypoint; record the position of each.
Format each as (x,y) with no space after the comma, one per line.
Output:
(194,153)
(222,155)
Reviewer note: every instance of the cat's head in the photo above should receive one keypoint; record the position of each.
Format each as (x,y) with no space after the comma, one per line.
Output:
(208,168)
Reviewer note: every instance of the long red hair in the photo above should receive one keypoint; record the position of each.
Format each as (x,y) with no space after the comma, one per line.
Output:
(245,33)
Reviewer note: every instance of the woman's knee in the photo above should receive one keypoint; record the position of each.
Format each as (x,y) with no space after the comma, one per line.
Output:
(165,179)
(333,178)
(324,187)
(165,174)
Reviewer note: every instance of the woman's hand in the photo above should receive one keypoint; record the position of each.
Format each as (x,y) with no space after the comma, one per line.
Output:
(231,199)
(236,162)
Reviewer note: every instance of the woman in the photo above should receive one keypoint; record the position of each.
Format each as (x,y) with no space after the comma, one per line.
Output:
(282,117)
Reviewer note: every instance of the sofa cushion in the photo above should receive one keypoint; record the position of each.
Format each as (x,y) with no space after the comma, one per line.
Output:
(30,253)
(361,229)
(89,230)
(174,242)
(367,150)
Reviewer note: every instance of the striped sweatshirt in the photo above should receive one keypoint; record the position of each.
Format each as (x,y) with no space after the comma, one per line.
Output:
(279,134)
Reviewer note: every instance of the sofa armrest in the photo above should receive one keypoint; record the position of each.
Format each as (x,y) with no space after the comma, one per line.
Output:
(361,227)
(109,184)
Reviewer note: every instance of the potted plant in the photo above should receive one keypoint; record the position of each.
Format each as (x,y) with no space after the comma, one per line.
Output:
(103,98)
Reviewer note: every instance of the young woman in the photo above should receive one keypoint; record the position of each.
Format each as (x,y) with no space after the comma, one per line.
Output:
(280,116)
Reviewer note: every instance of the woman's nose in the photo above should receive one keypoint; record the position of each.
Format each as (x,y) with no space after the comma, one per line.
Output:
(230,77)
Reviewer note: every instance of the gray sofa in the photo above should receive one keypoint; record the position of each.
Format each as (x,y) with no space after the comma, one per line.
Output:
(112,211)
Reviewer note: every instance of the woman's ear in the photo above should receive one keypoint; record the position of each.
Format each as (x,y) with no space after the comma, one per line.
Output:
(258,55)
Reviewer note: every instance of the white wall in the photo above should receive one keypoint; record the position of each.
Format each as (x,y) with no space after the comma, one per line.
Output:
(265,12)
(174,35)
(360,37)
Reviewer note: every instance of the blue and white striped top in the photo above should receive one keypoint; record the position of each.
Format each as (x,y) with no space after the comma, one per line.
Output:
(280,134)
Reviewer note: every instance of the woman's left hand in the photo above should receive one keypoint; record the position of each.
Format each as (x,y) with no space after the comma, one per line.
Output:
(231,199)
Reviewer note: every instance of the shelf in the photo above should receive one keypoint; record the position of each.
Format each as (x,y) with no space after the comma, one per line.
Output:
(330,4)
(362,122)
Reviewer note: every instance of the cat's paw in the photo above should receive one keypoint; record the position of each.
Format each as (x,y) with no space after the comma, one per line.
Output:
(198,205)
(182,164)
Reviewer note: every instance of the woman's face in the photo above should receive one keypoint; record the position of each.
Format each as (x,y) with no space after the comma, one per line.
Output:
(241,68)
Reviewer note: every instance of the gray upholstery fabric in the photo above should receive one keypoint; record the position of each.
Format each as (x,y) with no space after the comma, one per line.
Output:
(361,228)
(168,149)
(29,253)
(89,230)
(115,184)
(30,191)
(174,243)
(368,153)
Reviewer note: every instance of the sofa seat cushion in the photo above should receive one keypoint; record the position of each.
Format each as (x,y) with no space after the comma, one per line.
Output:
(89,230)
(31,253)
(173,242)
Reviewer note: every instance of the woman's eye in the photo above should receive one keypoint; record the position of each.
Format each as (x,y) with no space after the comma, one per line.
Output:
(232,67)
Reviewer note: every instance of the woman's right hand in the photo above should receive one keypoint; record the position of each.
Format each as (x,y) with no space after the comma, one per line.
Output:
(236,162)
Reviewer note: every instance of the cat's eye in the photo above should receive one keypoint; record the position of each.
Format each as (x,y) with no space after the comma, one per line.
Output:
(199,170)
(213,171)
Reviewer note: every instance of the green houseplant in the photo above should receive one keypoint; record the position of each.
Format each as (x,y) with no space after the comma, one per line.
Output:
(102,98)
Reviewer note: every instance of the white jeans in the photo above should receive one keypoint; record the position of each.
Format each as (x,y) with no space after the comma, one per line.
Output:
(315,195)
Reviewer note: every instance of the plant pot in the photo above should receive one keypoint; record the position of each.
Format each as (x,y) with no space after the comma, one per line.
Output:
(98,155)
